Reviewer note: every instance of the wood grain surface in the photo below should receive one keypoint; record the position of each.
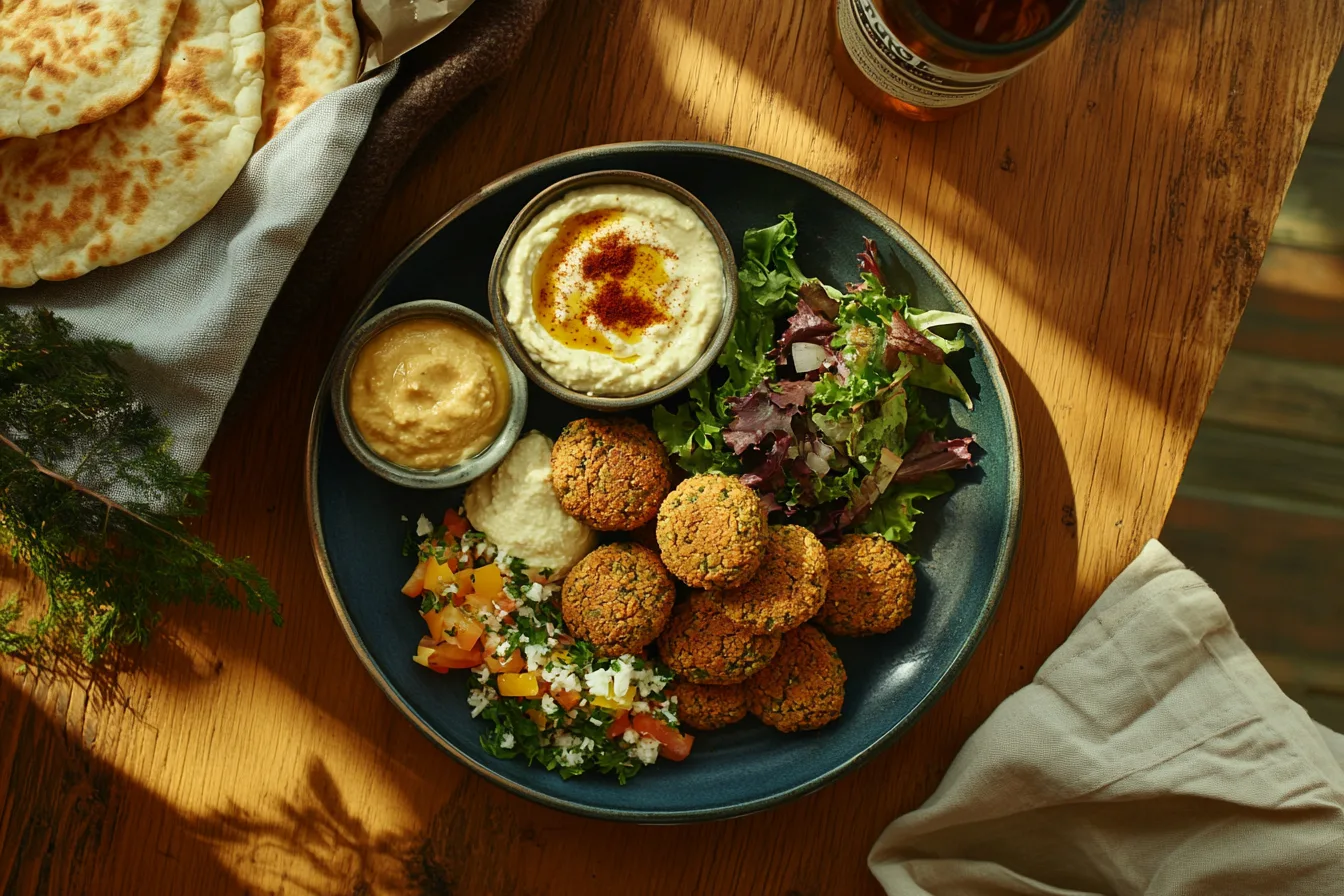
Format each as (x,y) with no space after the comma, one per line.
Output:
(1105,213)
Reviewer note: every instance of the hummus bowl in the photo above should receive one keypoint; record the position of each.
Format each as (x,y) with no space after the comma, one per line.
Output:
(480,462)
(358,520)
(684,326)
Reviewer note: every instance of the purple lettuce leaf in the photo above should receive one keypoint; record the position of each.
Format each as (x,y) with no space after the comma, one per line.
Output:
(805,325)
(755,416)
(868,261)
(815,296)
(928,456)
(901,337)
(769,472)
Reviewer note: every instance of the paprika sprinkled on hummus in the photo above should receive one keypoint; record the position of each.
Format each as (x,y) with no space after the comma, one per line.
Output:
(615,289)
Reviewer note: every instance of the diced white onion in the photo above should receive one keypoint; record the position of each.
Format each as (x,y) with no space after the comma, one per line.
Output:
(807,357)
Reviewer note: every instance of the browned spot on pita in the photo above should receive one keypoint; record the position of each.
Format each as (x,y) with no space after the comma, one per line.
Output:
(37,93)
(99,249)
(186,145)
(102,110)
(53,109)
(139,202)
(191,80)
(54,72)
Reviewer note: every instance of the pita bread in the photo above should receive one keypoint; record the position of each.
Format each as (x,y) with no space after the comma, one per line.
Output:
(107,192)
(68,62)
(312,48)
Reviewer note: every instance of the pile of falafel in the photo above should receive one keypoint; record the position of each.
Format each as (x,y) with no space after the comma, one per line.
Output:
(749,632)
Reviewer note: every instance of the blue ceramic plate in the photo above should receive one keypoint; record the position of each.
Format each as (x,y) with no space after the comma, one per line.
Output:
(966,539)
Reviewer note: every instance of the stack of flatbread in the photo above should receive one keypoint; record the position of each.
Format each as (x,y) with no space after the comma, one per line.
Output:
(122,122)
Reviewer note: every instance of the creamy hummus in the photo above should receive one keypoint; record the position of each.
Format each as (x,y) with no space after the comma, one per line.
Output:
(429,393)
(615,289)
(516,507)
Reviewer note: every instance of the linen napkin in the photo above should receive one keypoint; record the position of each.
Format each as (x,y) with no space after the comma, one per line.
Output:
(1152,753)
(193,310)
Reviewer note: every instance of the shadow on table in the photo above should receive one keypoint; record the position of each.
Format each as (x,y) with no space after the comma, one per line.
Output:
(74,824)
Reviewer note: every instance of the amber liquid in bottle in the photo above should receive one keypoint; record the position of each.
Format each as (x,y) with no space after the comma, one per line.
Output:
(929,59)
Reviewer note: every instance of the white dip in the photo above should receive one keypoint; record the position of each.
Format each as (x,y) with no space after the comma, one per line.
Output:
(515,506)
(615,289)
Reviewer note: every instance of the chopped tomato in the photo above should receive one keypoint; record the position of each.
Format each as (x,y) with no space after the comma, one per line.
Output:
(619,725)
(678,750)
(488,580)
(506,604)
(673,744)
(454,523)
(416,583)
(538,718)
(518,684)
(567,699)
(449,656)
(515,663)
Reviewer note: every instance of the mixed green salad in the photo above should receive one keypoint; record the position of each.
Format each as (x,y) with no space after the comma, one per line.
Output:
(818,400)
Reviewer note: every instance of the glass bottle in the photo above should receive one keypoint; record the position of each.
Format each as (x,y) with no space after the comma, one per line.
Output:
(929,59)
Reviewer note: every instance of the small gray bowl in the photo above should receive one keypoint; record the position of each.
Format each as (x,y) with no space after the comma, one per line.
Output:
(410,477)
(499,305)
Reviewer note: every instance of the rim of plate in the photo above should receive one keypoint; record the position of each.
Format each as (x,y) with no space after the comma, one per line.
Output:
(1002,563)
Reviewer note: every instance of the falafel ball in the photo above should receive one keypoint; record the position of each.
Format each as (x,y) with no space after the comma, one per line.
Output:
(610,474)
(787,590)
(706,707)
(711,531)
(803,687)
(703,646)
(619,597)
(872,586)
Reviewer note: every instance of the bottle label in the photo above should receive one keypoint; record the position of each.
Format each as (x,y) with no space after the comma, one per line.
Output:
(898,71)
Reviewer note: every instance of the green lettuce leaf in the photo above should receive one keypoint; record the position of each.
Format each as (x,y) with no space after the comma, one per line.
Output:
(768,275)
(893,516)
(925,321)
(939,378)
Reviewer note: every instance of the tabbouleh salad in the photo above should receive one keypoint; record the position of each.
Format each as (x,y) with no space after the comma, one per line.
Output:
(548,697)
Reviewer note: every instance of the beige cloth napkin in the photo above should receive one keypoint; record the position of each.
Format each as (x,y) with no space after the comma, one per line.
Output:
(1151,754)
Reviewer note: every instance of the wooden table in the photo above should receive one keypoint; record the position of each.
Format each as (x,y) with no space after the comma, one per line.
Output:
(1105,213)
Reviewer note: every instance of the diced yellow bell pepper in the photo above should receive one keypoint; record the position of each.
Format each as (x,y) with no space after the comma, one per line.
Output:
(518,684)
(437,622)
(625,701)
(438,576)
(464,585)
(488,581)
(422,655)
(538,718)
